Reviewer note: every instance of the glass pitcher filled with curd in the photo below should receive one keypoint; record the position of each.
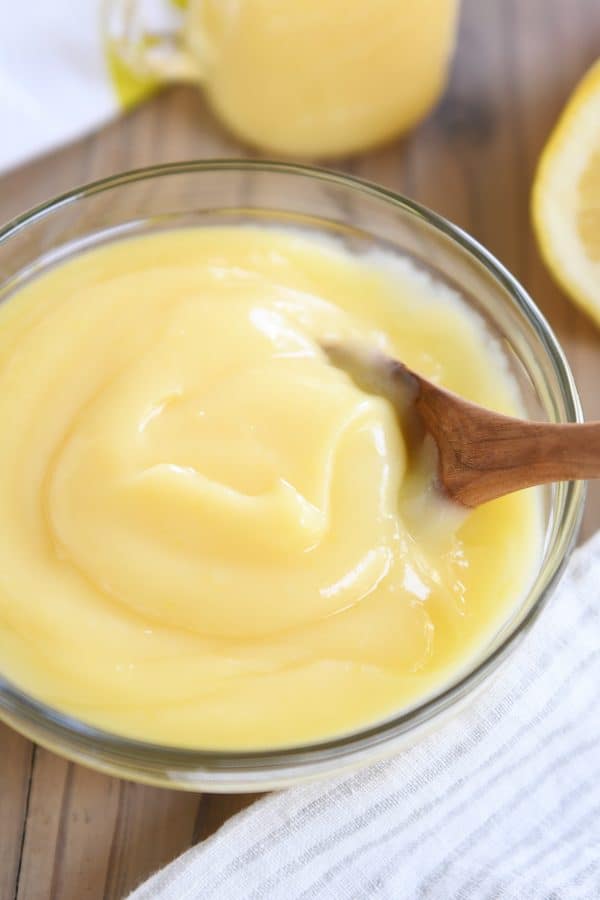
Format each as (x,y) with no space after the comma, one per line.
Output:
(294,77)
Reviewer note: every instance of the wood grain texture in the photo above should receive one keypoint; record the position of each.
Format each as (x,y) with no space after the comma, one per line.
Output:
(70,834)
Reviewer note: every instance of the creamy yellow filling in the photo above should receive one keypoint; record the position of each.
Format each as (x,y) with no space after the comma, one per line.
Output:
(321,79)
(205,540)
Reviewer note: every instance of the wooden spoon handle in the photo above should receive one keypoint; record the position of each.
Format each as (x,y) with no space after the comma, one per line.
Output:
(487,455)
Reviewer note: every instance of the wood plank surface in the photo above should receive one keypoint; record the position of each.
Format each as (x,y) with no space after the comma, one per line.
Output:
(67,833)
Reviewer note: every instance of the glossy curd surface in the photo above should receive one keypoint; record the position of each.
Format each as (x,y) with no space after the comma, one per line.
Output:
(207,529)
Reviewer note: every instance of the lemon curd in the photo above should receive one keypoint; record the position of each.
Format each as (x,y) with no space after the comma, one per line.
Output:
(323,79)
(205,539)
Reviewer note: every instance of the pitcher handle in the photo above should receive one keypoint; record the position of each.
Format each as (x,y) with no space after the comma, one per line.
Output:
(148,36)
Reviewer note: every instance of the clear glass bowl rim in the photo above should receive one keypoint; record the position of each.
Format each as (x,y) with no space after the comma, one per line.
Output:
(119,754)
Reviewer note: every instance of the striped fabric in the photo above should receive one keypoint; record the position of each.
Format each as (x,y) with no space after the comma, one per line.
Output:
(503,802)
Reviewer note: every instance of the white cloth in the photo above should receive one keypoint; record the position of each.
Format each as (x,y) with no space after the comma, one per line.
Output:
(54,80)
(502,802)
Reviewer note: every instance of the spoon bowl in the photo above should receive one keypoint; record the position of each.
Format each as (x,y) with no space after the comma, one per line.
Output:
(481,454)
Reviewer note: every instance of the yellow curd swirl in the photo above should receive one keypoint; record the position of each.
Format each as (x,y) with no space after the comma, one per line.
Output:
(204,532)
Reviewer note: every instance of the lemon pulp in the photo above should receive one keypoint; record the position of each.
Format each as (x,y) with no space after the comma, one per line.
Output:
(588,216)
(566,196)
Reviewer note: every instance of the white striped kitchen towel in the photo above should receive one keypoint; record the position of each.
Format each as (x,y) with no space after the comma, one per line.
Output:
(502,802)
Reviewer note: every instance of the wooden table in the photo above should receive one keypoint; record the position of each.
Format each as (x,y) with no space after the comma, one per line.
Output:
(67,833)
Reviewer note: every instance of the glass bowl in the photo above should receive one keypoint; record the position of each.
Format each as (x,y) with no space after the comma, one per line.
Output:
(361,215)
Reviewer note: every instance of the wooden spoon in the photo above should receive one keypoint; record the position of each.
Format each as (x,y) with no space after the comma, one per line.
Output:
(481,454)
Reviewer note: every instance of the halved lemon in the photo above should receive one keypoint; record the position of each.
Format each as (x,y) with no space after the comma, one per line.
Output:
(566,196)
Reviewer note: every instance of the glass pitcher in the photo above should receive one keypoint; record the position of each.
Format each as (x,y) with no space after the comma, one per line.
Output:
(311,78)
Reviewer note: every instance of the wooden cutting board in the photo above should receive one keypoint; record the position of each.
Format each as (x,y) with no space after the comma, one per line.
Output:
(67,833)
